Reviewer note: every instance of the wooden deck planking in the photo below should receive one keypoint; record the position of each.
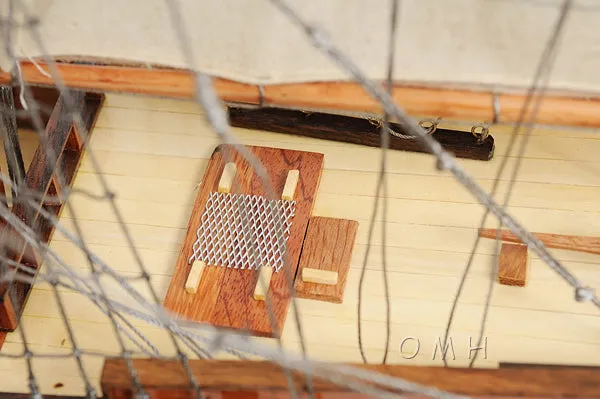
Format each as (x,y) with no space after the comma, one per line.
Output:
(431,225)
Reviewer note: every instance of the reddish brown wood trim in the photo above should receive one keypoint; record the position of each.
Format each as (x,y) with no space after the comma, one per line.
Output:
(442,102)
(168,379)
(558,241)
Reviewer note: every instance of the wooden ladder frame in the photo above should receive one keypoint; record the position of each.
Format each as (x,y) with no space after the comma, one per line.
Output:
(66,142)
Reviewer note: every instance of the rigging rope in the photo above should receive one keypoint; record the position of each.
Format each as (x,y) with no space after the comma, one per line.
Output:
(193,336)
(381,191)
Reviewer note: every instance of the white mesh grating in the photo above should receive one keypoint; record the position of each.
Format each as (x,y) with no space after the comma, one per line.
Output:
(236,228)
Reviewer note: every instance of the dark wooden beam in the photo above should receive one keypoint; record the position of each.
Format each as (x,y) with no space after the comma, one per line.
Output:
(348,129)
(162,379)
(64,140)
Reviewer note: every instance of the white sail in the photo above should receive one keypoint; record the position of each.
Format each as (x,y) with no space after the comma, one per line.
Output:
(463,42)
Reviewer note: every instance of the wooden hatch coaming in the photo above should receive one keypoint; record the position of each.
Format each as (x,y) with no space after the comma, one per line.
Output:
(224,297)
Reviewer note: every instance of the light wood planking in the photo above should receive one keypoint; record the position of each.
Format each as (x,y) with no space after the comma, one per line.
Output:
(431,224)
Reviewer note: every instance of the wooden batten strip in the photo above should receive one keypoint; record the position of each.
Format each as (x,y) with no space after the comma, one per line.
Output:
(460,104)
(169,378)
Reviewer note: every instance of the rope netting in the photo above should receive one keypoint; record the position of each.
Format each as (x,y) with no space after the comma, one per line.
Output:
(128,301)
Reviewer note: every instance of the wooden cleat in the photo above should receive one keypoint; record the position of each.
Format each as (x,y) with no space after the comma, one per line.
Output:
(262,283)
(318,276)
(290,185)
(227,177)
(191,284)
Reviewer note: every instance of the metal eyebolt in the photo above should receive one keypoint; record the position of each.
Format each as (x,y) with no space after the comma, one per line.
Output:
(433,125)
(375,122)
(483,134)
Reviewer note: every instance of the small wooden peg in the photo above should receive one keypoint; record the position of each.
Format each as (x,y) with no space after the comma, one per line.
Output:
(290,185)
(227,178)
(191,284)
(263,283)
(318,276)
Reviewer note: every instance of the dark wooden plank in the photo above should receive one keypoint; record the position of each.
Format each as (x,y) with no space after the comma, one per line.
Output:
(225,296)
(164,378)
(328,245)
(10,138)
(354,130)
(62,139)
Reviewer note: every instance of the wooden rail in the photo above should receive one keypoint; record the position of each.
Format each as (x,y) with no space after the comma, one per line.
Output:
(253,379)
(347,96)
(590,245)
